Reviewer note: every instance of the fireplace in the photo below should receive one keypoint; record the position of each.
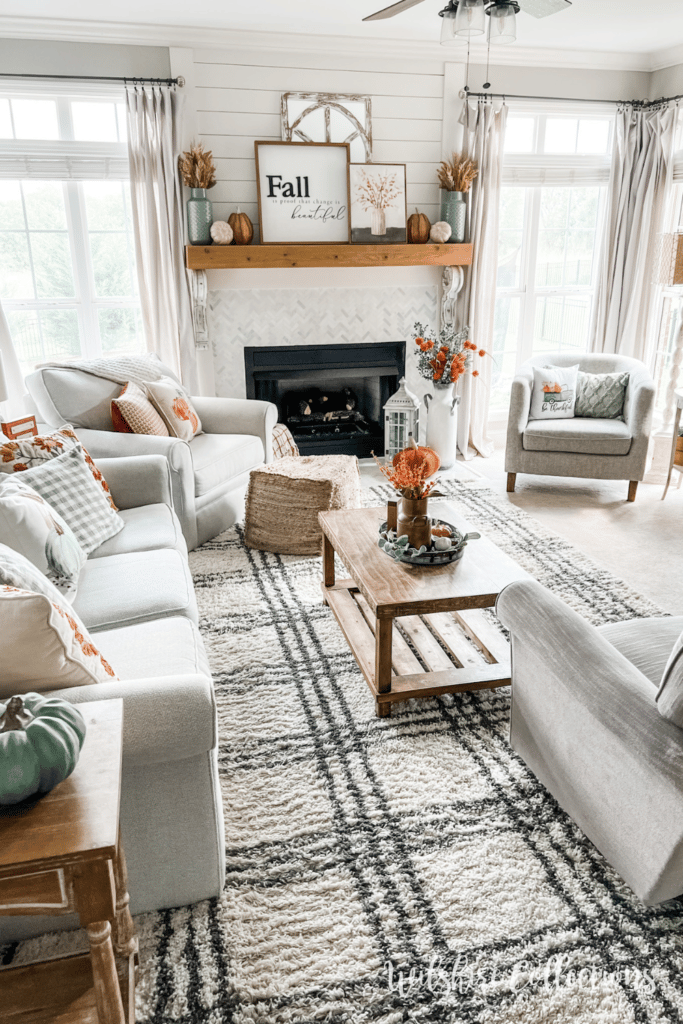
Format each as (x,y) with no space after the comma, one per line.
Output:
(330,396)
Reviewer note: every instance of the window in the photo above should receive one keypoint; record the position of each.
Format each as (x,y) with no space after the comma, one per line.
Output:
(67,256)
(551,215)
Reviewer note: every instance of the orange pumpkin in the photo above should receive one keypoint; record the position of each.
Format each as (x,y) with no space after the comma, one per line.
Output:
(418,228)
(414,457)
(242,228)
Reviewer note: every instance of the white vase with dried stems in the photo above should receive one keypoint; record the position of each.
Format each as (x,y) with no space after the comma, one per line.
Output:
(199,174)
(455,177)
(376,193)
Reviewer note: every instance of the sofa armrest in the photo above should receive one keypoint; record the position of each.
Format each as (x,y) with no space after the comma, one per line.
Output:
(584,719)
(520,404)
(169,718)
(239,416)
(109,444)
(138,480)
(640,406)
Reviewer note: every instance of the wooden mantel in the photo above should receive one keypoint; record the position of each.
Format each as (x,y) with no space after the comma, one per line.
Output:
(236,257)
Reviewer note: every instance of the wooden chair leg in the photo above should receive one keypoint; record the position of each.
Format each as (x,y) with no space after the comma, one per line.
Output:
(511,482)
(632,488)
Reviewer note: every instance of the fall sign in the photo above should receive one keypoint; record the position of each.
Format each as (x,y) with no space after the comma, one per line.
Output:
(303,192)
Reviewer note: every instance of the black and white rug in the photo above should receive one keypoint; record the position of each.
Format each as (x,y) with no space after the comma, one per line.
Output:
(402,869)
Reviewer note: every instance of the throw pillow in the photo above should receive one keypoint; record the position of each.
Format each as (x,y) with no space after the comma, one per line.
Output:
(30,526)
(45,646)
(670,694)
(175,408)
(133,413)
(16,571)
(16,456)
(601,395)
(554,392)
(66,483)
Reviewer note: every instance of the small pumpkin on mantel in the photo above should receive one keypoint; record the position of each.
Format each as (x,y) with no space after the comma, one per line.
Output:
(418,228)
(242,228)
(40,742)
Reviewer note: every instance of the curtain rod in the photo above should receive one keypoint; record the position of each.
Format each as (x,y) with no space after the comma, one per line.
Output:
(567,99)
(101,78)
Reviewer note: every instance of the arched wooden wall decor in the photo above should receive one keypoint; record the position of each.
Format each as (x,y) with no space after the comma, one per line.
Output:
(342,119)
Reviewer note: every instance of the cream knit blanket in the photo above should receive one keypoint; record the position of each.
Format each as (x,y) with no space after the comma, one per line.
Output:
(120,369)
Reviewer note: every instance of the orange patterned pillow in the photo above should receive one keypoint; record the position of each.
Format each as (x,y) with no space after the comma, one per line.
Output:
(133,413)
(175,407)
(29,452)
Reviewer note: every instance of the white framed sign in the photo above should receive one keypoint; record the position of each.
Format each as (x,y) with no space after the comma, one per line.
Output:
(303,192)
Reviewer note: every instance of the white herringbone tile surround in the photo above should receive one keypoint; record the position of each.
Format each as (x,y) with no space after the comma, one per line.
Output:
(312,316)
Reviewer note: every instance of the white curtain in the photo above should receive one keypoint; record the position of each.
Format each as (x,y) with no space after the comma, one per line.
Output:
(15,406)
(483,142)
(154,123)
(642,169)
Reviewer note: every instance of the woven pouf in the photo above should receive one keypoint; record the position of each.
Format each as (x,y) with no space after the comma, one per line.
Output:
(284,498)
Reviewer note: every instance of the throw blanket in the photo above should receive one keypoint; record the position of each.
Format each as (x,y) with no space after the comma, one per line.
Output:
(120,369)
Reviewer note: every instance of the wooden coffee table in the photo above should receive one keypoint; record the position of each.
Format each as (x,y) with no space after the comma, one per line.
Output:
(416,631)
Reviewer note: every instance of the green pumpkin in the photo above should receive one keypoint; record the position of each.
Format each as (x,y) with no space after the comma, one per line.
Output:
(40,741)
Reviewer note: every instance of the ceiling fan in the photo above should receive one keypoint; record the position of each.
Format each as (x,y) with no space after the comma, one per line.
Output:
(465,19)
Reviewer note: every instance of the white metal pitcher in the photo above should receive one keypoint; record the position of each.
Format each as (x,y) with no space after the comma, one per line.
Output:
(442,423)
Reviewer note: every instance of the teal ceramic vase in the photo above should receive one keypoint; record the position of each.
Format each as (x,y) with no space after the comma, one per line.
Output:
(199,217)
(454,212)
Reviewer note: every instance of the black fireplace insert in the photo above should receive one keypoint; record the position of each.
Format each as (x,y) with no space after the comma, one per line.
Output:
(330,396)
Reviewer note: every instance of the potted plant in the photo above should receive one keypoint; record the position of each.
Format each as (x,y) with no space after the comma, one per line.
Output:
(455,178)
(199,174)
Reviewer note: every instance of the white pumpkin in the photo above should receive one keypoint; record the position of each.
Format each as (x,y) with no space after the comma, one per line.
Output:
(440,232)
(221,232)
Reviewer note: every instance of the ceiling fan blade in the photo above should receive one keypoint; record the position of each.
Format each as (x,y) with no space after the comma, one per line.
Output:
(542,8)
(389,12)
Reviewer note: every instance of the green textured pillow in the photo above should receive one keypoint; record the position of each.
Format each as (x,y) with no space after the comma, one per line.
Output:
(601,395)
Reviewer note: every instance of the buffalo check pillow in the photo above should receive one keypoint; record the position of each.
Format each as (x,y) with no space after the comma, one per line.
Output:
(67,484)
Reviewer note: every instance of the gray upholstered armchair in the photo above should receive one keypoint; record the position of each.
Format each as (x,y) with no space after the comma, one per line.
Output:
(585,720)
(584,447)
(209,474)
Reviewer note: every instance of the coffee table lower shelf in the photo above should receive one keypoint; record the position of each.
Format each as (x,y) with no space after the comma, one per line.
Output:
(443,652)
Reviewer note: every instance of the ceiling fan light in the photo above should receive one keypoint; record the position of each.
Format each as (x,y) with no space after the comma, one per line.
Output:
(502,27)
(469,20)
(448,16)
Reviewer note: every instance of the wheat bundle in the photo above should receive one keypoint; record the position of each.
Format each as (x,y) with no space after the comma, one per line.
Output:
(456,174)
(197,167)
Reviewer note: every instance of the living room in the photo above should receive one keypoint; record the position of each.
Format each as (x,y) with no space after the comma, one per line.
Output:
(253,800)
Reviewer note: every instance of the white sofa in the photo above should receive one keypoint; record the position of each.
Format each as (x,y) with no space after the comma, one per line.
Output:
(135,595)
(209,474)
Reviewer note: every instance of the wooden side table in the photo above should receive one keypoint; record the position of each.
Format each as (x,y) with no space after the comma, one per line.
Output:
(676,461)
(62,855)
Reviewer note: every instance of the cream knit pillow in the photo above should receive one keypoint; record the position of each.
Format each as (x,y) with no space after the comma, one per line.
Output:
(139,416)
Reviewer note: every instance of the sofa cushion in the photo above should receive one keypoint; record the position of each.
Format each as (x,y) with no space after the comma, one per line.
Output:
(647,643)
(133,413)
(45,646)
(670,694)
(118,590)
(219,458)
(146,528)
(601,395)
(162,647)
(582,436)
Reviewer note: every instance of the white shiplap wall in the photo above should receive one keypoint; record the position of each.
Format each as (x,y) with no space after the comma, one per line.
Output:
(237,96)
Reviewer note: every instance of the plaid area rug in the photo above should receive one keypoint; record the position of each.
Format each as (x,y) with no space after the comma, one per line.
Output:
(402,869)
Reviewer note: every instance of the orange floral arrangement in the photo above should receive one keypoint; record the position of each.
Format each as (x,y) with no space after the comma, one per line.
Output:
(410,469)
(444,361)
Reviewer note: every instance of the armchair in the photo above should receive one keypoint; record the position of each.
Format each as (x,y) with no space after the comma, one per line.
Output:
(597,448)
(209,474)
(585,720)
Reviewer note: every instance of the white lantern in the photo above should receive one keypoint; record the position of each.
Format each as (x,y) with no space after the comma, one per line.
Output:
(401,420)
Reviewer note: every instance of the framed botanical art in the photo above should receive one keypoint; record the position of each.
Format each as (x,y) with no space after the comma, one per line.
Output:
(378,203)
(303,192)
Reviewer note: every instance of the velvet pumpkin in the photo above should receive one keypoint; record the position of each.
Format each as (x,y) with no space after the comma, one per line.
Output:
(242,228)
(418,228)
(416,456)
(40,742)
